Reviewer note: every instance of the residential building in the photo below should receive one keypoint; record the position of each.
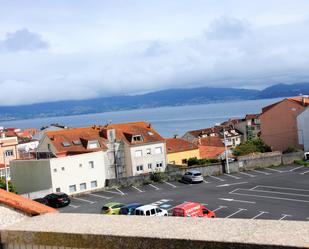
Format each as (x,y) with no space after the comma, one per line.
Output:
(142,147)
(212,152)
(250,126)
(214,134)
(279,122)
(70,161)
(180,150)
(303,129)
(8,152)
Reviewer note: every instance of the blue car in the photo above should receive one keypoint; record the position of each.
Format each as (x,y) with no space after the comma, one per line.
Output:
(129,209)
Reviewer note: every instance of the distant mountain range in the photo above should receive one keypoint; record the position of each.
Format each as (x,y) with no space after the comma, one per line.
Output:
(170,97)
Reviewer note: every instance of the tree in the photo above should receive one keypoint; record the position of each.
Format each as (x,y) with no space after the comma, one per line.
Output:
(251,146)
(3,185)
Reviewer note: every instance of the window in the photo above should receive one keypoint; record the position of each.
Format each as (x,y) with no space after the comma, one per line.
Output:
(62,168)
(94,184)
(77,142)
(149,166)
(184,161)
(9,153)
(138,153)
(91,164)
(58,190)
(148,212)
(66,144)
(139,168)
(93,144)
(148,151)
(82,186)
(80,165)
(55,170)
(72,188)
(160,164)
(150,133)
(153,212)
(158,150)
(137,138)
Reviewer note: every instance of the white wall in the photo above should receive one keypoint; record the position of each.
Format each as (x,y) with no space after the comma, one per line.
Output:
(303,129)
(66,171)
(146,159)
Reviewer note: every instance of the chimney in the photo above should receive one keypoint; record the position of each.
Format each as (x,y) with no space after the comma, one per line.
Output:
(303,99)
(175,135)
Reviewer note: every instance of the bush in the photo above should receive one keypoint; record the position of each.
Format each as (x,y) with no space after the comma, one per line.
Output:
(157,176)
(3,185)
(302,162)
(290,149)
(251,146)
(204,161)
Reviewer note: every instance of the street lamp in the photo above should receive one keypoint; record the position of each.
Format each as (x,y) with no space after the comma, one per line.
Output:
(6,174)
(226,153)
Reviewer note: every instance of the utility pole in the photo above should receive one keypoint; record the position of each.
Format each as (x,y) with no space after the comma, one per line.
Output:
(6,174)
(226,153)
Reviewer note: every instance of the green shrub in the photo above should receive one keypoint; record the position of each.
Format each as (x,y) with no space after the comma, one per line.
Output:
(251,146)
(3,185)
(204,161)
(290,149)
(302,162)
(157,176)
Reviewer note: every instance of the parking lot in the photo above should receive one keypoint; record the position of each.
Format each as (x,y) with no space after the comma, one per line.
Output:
(279,193)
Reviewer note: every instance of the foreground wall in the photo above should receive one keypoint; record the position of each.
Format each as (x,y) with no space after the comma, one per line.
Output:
(55,231)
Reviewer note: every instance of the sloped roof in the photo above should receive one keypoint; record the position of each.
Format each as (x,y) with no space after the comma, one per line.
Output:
(301,100)
(210,151)
(23,204)
(178,144)
(211,141)
(252,116)
(126,131)
(83,135)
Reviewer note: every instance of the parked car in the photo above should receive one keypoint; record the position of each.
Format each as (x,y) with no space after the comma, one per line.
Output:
(41,200)
(57,200)
(129,209)
(150,210)
(111,208)
(193,209)
(193,176)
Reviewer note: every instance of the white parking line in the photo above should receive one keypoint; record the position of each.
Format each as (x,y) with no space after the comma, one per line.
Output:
(222,180)
(247,174)
(235,177)
(205,181)
(284,216)
(141,191)
(73,206)
(120,191)
(220,207)
(239,210)
(279,171)
(112,192)
(80,199)
(304,172)
(296,168)
(101,196)
(170,184)
(297,189)
(156,188)
(258,215)
(261,172)
(276,192)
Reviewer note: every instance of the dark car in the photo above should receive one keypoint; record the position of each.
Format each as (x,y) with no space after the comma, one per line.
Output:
(41,200)
(57,200)
(129,209)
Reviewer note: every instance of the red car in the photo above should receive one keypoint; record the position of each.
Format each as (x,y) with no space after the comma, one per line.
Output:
(193,209)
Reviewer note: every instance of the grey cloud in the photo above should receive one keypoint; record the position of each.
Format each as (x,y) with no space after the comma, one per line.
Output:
(23,40)
(225,28)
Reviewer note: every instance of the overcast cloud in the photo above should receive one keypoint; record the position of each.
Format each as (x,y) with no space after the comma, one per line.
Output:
(58,50)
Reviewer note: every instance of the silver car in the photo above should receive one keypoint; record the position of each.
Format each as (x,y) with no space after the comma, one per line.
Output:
(192,176)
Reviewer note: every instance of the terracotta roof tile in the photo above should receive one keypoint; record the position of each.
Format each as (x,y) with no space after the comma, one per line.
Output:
(210,151)
(126,131)
(211,141)
(177,145)
(252,116)
(23,204)
(302,100)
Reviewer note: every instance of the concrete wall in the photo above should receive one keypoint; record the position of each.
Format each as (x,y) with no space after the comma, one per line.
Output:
(31,176)
(291,157)
(279,125)
(260,160)
(303,129)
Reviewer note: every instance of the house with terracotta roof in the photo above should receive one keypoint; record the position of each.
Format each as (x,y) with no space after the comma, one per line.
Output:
(8,152)
(141,146)
(279,122)
(180,150)
(71,161)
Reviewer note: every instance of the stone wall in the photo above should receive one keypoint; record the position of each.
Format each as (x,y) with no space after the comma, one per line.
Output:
(260,160)
(291,157)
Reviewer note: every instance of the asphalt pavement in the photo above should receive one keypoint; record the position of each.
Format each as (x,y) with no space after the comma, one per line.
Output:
(278,193)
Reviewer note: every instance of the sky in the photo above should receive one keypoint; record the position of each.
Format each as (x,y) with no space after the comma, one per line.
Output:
(73,49)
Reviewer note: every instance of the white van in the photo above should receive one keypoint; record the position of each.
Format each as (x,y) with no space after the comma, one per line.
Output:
(150,210)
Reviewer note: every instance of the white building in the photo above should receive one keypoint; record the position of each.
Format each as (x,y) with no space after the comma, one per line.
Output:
(303,129)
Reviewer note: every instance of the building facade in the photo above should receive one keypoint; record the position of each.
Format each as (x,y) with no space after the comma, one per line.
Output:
(303,129)
(279,122)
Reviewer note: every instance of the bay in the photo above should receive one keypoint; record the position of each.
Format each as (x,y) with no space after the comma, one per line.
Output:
(168,121)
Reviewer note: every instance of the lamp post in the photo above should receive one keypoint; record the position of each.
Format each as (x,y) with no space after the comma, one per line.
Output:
(226,153)
(6,174)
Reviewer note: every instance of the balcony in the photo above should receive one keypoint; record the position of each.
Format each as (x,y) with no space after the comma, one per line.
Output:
(52,231)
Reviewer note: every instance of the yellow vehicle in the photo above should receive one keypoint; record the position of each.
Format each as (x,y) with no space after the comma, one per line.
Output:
(111,208)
